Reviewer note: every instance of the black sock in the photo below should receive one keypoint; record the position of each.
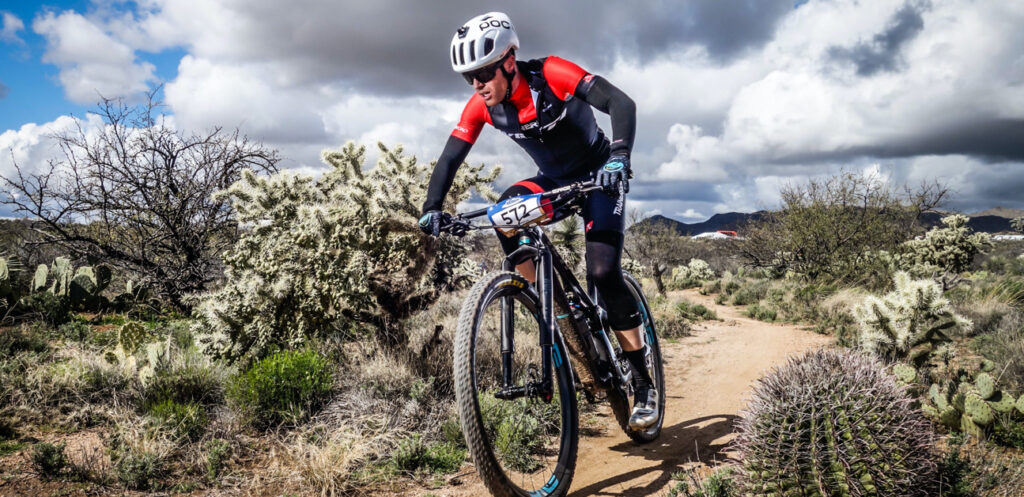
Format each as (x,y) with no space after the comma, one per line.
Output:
(641,376)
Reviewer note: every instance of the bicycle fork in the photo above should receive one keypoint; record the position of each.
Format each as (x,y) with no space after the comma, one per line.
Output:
(545,283)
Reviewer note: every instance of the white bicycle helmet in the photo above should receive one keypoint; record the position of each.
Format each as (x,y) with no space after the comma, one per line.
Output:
(482,40)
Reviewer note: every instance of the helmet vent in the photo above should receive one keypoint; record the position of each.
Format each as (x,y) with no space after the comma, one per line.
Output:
(488,46)
(472,53)
(455,59)
(462,53)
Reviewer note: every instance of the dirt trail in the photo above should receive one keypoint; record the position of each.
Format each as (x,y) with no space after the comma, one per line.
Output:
(708,375)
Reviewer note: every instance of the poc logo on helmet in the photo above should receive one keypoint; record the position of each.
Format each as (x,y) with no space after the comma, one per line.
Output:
(495,24)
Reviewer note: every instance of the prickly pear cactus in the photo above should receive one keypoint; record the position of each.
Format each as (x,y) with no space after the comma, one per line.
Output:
(969,403)
(39,280)
(61,271)
(834,423)
(131,336)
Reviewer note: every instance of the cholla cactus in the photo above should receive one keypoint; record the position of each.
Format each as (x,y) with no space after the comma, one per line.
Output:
(691,274)
(332,251)
(944,253)
(833,423)
(633,266)
(910,321)
(1018,224)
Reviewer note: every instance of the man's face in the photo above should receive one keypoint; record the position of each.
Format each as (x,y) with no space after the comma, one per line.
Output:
(493,91)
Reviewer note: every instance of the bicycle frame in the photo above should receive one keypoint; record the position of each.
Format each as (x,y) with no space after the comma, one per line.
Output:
(535,246)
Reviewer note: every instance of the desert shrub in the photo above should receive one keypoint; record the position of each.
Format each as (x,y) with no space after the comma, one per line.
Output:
(516,427)
(414,454)
(332,252)
(22,339)
(217,453)
(837,418)
(761,312)
(54,310)
(184,376)
(944,253)
(284,387)
(825,226)
(74,330)
(731,287)
(695,312)
(970,468)
(187,421)
(139,470)
(1005,346)
(750,293)
(671,323)
(711,287)
(49,459)
(721,483)
(909,322)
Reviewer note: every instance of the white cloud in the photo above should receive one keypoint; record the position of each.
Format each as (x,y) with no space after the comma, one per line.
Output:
(690,214)
(698,157)
(91,62)
(9,29)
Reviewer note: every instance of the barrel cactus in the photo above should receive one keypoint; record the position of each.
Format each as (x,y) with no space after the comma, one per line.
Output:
(834,423)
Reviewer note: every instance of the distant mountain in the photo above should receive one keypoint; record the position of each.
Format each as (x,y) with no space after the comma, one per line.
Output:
(984,221)
(730,221)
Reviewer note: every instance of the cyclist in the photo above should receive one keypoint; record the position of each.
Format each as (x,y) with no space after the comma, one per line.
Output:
(545,106)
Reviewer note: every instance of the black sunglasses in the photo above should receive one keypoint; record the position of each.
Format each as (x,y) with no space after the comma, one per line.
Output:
(484,74)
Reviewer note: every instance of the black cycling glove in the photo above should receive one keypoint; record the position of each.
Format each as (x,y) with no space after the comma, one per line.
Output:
(432,221)
(614,172)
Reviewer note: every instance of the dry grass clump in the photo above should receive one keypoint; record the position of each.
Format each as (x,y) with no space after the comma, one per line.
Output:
(79,376)
(331,459)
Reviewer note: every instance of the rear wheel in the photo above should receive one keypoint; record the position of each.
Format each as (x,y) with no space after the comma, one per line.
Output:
(621,399)
(527,446)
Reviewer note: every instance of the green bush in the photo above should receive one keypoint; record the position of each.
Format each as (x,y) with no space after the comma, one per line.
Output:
(217,453)
(139,470)
(711,287)
(695,312)
(285,387)
(188,421)
(731,287)
(54,310)
(48,459)
(750,293)
(718,484)
(517,428)
(761,312)
(413,454)
(22,339)
(74,330)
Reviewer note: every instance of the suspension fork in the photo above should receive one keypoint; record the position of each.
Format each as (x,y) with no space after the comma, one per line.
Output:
(545,283)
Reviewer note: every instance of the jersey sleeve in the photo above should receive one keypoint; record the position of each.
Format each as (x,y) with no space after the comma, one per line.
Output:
(472,121)
(565,78)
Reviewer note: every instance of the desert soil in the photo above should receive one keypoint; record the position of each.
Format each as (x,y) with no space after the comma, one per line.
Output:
(708,378)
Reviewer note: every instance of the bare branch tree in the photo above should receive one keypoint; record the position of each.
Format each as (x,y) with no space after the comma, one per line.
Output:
(138,194)
(656,246)
(826,227)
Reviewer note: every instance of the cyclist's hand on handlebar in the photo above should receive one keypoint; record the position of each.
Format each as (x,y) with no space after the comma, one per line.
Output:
(614,172)
(432,221)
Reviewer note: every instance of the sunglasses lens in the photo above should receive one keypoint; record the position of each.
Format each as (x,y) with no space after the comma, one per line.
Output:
(483,75)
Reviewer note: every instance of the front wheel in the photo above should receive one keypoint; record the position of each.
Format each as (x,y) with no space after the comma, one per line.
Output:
(619,398)
(527,446)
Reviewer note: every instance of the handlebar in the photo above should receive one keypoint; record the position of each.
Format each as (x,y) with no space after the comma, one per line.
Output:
(459,224)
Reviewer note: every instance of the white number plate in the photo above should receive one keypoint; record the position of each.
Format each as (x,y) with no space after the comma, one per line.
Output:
(516,211)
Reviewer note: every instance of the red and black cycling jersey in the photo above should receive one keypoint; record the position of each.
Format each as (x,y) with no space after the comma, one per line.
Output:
(551,117)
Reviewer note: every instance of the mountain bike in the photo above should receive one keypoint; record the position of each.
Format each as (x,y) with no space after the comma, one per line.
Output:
(515,380)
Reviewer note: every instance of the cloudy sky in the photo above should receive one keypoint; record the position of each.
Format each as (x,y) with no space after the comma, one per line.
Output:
(734,98)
